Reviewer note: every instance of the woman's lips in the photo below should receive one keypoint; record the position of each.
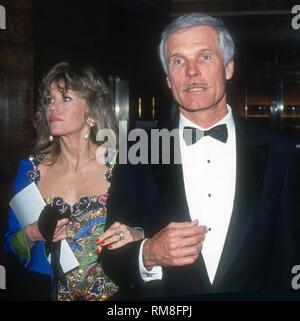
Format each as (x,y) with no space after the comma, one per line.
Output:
(54,118)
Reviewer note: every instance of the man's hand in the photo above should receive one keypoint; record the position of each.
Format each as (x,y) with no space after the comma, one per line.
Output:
(177,244)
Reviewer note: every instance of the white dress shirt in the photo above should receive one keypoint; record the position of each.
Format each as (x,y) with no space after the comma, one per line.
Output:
(209,172)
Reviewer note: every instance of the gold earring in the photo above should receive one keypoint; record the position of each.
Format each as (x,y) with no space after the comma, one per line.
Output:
(91,122)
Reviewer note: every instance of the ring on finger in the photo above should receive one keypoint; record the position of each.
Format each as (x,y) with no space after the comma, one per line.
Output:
(120,236)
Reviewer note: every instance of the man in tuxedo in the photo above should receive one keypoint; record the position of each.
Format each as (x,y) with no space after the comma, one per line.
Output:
(230,208)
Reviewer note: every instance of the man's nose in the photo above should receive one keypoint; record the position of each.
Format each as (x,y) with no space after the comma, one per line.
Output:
(192,70)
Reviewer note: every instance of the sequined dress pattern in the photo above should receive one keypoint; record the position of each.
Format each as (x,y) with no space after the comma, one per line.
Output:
(87,222)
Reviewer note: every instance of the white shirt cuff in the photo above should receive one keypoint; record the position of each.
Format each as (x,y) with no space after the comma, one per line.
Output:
(154,274)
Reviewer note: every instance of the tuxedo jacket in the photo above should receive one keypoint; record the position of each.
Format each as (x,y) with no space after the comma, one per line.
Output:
(262,243)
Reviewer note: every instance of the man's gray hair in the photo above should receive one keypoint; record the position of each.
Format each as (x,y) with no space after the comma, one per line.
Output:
(198,19)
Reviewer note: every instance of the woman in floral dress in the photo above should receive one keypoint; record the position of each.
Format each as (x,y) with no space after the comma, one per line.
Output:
(74,105)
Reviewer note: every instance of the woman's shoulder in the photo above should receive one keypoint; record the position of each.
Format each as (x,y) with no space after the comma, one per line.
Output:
(31,163)
(28,171)
(25,164)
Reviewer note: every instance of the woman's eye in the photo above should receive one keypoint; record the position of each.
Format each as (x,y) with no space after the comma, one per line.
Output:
(66,98)
(48,101)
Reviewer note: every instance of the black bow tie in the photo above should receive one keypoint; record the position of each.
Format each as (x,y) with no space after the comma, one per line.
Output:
(191,134)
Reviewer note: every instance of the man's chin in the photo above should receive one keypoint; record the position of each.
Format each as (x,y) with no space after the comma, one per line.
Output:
(197,108)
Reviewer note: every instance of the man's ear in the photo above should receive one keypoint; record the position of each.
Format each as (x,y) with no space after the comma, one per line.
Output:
(229,69)
(169,83)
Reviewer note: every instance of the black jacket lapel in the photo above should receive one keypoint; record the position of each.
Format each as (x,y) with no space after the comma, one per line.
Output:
(169,178)
(251,161)
(170,183)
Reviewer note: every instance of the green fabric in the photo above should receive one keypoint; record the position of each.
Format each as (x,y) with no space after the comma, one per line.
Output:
(19,243)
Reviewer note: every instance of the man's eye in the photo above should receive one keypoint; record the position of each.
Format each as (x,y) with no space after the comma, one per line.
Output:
(206,57)
(178,61)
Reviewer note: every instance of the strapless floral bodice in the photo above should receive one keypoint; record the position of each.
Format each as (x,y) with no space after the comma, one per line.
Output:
(86,223)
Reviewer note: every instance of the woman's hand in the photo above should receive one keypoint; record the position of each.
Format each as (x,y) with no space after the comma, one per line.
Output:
(60,230)
(117,235)
(33,233)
